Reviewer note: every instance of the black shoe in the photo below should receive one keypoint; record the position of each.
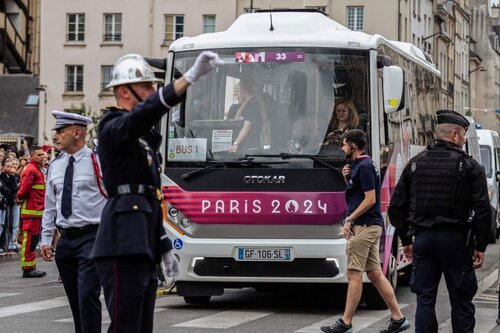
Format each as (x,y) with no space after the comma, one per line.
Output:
(397,326)
(34,273)
(338,327)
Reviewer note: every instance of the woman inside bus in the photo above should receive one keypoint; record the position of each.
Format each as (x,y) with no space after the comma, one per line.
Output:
(249,110)
(344,117)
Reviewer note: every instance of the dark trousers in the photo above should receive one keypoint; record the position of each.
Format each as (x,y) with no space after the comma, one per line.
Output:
(443,251)
(129,284)
(80,281)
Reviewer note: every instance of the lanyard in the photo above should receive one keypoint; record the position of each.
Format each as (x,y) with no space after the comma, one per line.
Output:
(97,174)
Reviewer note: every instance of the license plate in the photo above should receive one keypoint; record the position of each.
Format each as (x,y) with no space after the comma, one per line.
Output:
(263,254)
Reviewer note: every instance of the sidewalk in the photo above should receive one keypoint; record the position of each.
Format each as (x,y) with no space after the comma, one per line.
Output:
(11,257)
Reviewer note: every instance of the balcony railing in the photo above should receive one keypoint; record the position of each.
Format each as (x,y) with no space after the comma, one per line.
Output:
(71,86)
(75,37)
(103,87)
(112,37)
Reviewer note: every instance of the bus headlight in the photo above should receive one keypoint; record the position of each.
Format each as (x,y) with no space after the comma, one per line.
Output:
(185,222)
(172,215)
(173,211)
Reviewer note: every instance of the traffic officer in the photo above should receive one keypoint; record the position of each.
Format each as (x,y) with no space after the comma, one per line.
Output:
(441,199)
(131,239)
(73,204)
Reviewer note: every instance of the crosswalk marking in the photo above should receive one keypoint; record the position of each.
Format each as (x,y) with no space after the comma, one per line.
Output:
(485,317)
(225,319)
(486,296)
(9,294)
(486,299)
(487,281)
(105,317)
(161,305)
(485,321)
(52,303)
(362,319)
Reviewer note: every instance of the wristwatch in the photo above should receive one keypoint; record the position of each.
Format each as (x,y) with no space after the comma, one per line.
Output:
(347,220)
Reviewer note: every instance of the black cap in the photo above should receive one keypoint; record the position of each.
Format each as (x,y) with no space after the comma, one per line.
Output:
(452,117)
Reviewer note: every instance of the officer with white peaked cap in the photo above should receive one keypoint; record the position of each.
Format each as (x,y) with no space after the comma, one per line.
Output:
(64,119)
(73,204)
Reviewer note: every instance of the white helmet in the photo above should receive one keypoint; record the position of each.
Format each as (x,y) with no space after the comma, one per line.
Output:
(131,68)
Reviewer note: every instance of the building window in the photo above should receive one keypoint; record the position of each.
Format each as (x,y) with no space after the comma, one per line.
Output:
(74,78)
(174,27)
(355,18)
(32,100)
(208,23)
(112,27)
(76,28)
(105,76)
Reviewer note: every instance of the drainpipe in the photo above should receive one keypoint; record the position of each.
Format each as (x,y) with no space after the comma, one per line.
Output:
(399,20)
(150,27)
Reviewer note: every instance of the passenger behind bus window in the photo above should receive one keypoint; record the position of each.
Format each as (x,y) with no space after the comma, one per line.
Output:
(249,110)
(344,117)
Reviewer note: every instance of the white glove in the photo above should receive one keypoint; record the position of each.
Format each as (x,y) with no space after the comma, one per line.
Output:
(206,61)
(170,264)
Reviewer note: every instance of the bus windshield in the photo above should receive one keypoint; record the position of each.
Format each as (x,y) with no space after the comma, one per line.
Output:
(269,102)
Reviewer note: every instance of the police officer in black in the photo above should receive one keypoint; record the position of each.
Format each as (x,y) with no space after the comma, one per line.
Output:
(441,199)
(131,240)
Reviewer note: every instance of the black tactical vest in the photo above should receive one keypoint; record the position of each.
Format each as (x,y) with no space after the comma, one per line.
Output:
(438,186)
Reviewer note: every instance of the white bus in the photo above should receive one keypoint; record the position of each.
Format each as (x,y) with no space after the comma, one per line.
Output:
(489,145)
(270,213)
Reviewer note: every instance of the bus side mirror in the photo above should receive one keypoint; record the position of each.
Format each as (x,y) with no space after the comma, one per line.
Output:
(394,78)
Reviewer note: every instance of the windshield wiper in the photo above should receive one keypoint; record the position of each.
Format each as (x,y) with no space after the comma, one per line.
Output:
(315,158)
(244,161)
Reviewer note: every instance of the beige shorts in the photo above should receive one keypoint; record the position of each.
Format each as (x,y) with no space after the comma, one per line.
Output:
(362,248)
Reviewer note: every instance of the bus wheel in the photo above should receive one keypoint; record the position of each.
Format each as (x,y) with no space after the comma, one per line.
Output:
(372,298)
(197,299)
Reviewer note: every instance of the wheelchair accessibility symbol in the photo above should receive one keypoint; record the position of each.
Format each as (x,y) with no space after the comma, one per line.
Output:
(178,244)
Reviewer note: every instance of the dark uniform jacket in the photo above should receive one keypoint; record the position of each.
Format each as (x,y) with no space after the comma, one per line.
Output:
(128,149)
(472,195)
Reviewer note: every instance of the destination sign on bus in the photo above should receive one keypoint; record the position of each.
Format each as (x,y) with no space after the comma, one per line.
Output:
(187,149)
(273,56)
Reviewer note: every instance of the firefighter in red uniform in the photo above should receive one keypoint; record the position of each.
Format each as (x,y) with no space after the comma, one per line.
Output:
(32,195)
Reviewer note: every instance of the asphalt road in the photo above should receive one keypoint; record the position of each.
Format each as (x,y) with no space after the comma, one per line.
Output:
(39,305)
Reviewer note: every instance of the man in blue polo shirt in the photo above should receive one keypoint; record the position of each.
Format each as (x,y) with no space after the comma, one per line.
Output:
(362,229)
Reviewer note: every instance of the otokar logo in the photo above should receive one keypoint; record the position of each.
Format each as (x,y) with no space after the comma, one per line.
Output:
(264,179)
